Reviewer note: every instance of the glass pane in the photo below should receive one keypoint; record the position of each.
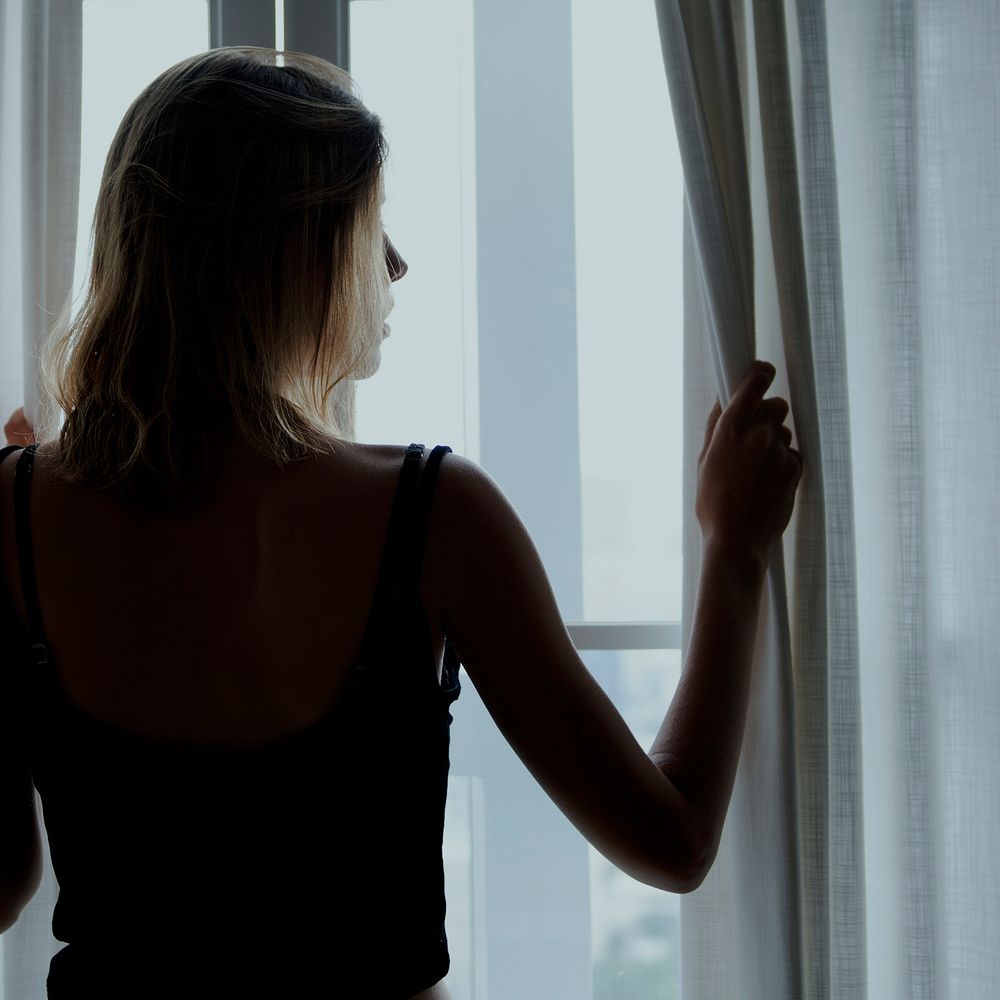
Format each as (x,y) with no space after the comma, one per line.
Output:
(629,205)
(413,65)
(401,53)
(126,43)
(462,851)
(635,929)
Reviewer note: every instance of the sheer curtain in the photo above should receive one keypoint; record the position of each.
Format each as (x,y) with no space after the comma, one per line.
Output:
(41,45)
(41,51)
(843,223)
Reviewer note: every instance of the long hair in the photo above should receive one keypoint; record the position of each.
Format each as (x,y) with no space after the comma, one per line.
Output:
(238,277)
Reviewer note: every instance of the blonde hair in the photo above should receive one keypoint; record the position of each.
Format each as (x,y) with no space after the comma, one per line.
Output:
(239,277)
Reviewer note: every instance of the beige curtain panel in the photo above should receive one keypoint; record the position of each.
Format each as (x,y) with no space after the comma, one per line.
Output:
(843,224)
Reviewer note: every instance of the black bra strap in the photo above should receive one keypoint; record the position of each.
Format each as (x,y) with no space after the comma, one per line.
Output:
(22,524)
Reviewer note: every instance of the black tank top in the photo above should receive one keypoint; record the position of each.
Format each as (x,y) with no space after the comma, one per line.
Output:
(271,871)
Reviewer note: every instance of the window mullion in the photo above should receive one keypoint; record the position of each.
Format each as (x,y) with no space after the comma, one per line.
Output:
(625,635)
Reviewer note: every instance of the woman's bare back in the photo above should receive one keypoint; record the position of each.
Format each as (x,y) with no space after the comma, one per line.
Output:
(237,625)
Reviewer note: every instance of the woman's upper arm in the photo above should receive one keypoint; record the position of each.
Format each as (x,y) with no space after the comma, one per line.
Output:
(500,615)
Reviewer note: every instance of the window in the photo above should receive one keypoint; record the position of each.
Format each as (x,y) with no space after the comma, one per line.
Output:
(535,189)
(489,125)
(126,43)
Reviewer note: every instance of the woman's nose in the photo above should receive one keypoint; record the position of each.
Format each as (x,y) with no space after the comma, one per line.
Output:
(397,266)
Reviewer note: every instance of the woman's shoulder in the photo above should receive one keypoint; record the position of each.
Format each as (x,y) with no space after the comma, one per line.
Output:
(379,452)
(387,459)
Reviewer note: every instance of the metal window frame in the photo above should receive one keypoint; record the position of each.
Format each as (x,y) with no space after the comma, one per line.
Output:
(319,27)
(625,635)
(241,22)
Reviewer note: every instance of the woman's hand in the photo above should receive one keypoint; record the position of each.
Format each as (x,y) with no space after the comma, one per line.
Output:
(17,430)
(747,471)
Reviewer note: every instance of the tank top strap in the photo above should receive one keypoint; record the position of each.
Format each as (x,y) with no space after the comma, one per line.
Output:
(4,452)
(405,540)
(378,616)
(416,541)
(25,558)
(416,534)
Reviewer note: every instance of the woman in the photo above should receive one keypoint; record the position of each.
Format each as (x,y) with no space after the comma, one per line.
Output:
(242,629)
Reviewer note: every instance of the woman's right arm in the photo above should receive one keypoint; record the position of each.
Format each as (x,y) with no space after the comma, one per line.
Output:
(656,816)
(501,616)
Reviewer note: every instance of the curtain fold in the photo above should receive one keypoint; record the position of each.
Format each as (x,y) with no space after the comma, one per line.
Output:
(760,834)
(862,828)
(41,52)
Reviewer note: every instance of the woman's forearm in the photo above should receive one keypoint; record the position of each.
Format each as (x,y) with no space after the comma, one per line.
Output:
(698,745)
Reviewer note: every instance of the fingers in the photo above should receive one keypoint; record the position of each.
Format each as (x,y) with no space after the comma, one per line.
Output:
(17,429)
(747,398)
(774,410)
(748,404)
